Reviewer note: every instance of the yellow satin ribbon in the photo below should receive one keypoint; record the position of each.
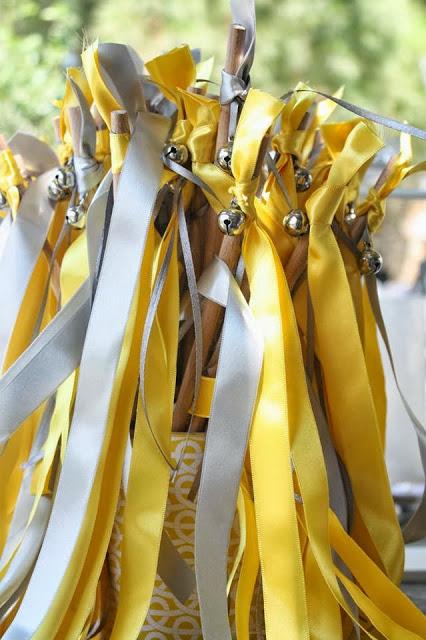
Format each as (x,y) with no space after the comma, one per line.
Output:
(119,143)
(10,179)
(285,607)
(173,71)
(102,96)
(353,417)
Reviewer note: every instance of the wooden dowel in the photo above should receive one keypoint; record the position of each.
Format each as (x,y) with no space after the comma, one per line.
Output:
(119,124)
(99,122)
(234,54)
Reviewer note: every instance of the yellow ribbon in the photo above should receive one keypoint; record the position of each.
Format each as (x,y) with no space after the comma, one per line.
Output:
(10,179)
(353,416)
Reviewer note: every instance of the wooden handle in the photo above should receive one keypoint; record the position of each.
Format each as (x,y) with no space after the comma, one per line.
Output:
(119,124)
(234,55)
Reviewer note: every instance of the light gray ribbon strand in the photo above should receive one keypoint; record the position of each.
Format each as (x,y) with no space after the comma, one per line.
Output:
(47,362)
(20,255)
(121,68)
(238,374)
(38,157)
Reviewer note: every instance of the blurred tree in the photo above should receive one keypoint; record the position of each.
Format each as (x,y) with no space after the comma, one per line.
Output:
(374,49)
(38,39)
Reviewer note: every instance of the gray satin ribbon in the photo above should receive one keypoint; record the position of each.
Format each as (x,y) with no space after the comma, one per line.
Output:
(415,529)
(56,352)
(244,13)
(121,68)
(172,568)
(38,157)
(234,87)
(88,171)
(130,222)
(238,375)
(383,121)
(231,88)
(5,226)
(185,173)
(29,538)
(195,308)
(21,252)
(45,364)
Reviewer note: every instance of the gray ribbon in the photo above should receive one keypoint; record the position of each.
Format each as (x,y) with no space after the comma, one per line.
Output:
(24,245)
(231,88)
(45,364)
(139,184)
(190,177)
(88,171)
(383,121)
(244,13)
(238,375)
(121,69)
(38,157)
(30,538)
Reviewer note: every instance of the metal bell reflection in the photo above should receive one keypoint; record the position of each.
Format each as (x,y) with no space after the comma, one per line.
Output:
(62,184)
(350,213)
(370,261)
(223,159)
(303,179)
(3,201)
(65,177)
(76,215)
(176,152)
(232,221)
(296,222)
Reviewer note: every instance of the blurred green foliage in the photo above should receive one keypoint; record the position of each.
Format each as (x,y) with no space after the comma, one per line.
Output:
(373,48)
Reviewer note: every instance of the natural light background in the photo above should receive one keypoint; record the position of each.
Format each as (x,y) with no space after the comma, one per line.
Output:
(374,48)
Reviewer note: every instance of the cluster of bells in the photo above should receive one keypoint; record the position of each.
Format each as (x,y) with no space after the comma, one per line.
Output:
(61,188)
(232,220)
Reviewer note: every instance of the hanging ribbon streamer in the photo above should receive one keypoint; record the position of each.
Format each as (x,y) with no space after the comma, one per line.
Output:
(235,394)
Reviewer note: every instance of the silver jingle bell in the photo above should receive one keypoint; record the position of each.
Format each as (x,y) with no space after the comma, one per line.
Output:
(76,215)
(176,152)
(56,193)
(350,213)
(3,201)
(232,221)
(62,184)
(303,179)
(65,177)
(370,262)
(296,222)
(223,159)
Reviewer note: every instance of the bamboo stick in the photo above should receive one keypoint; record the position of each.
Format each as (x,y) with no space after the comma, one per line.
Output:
(234,54)
(119,125)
